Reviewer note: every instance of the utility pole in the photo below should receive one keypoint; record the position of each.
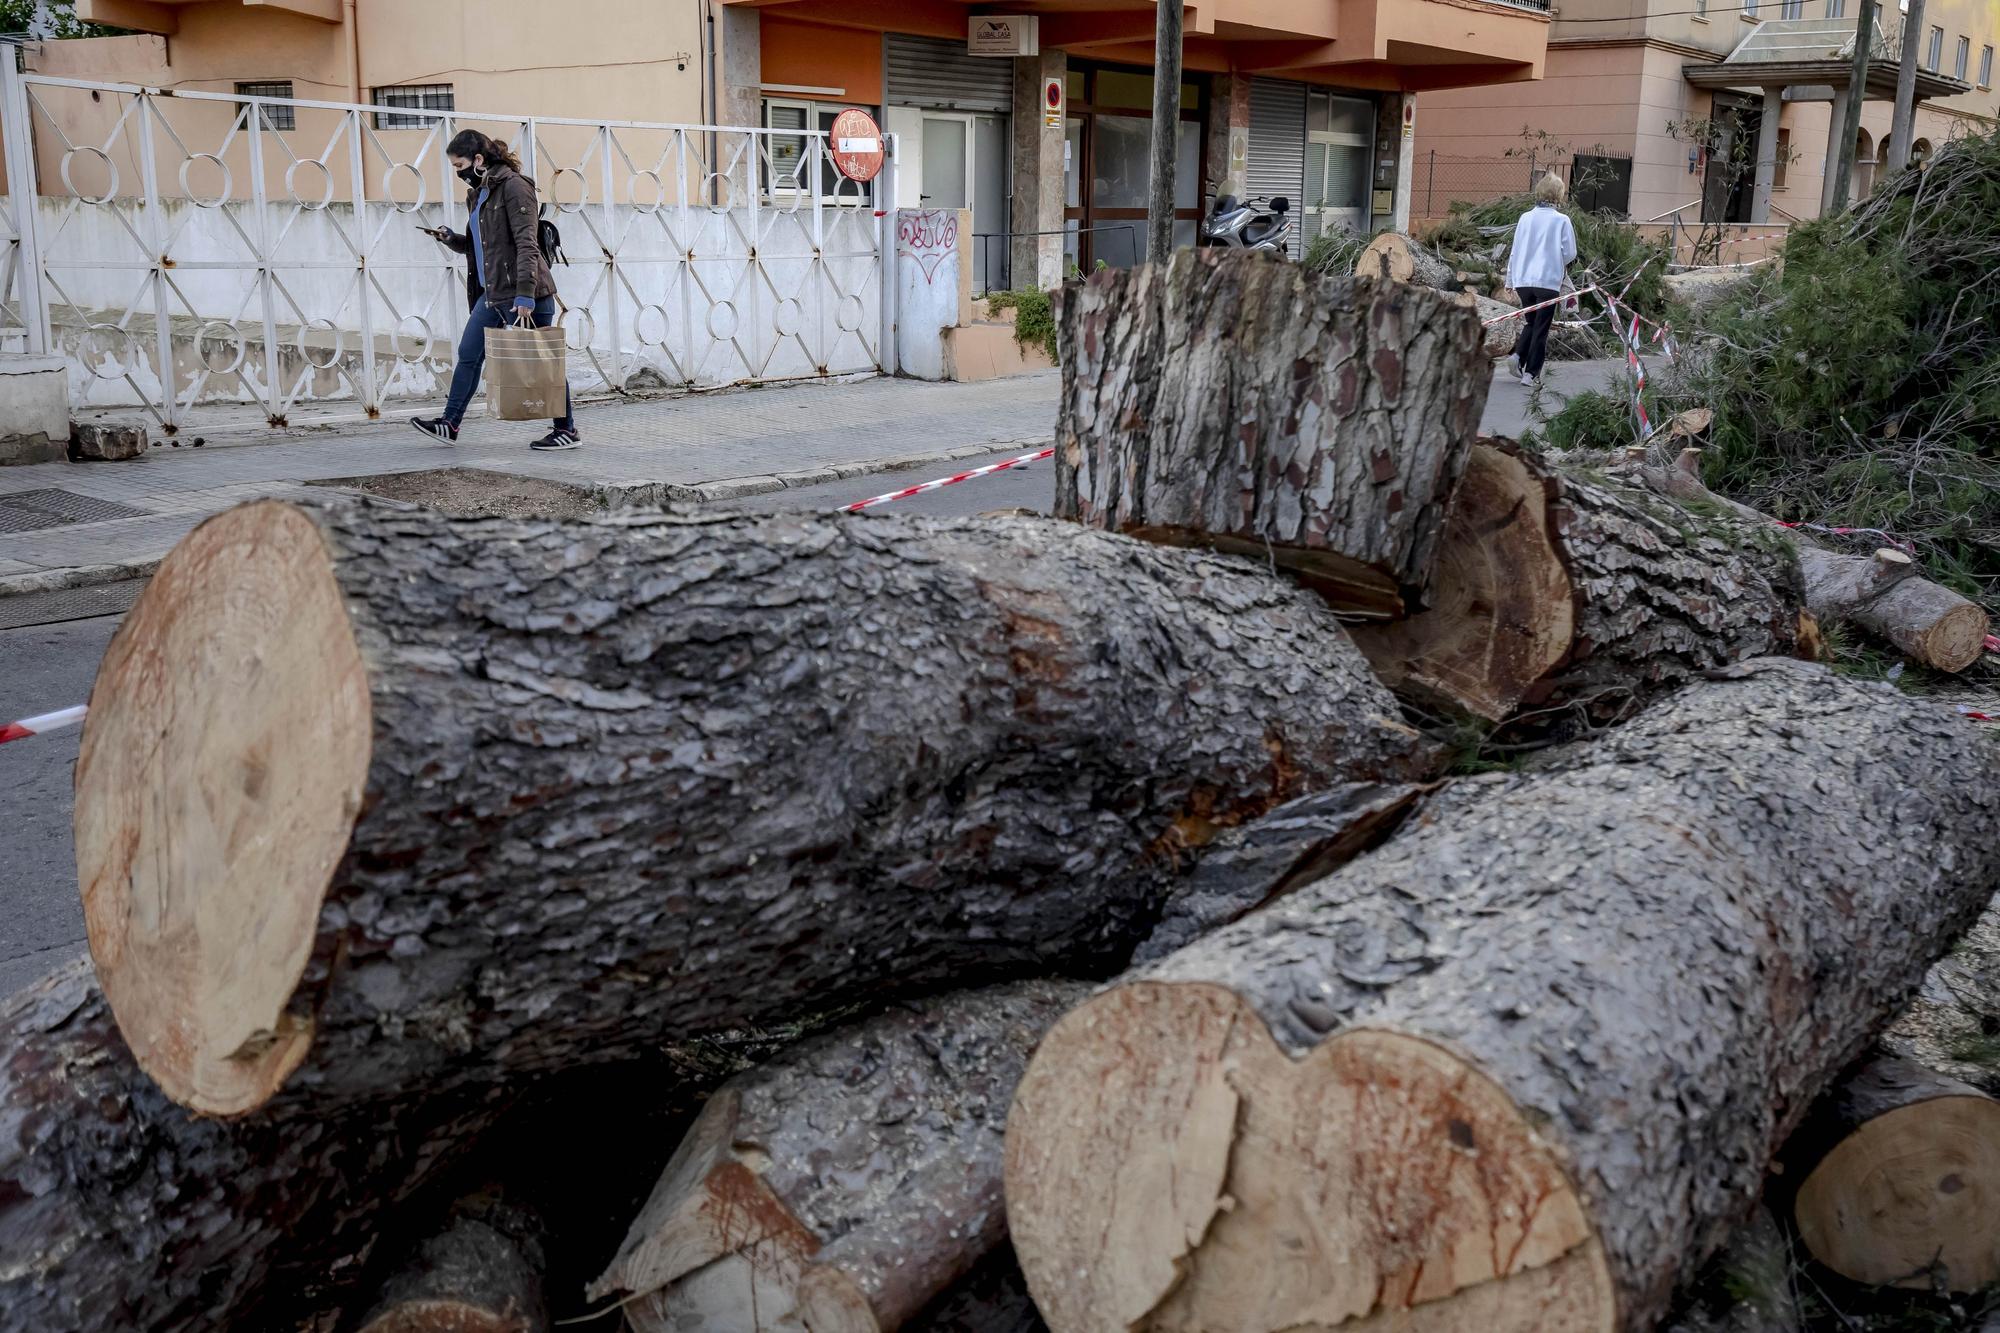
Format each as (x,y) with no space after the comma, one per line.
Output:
(1857,92)
(1166,130)
(1902,130)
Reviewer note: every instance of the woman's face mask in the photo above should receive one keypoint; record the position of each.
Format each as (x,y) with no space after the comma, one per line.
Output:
(470,173)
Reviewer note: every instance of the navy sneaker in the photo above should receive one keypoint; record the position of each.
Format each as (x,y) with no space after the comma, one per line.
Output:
(557,439)
(437,428)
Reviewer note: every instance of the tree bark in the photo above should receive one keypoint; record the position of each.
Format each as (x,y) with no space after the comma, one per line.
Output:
(1315,424)
(846,1184)
(481,1272)
(1952,1027)
(460,801)
(1526,1062)
(1572,598)
(1902,1183)
(1398,258)
(120,1210)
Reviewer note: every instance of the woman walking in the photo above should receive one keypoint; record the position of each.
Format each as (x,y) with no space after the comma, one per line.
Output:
(508,281)
(1544,248)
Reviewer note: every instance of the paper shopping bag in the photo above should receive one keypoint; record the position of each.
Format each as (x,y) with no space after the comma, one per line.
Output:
(525,373)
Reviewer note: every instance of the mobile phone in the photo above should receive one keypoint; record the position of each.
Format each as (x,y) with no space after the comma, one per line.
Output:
(435,233)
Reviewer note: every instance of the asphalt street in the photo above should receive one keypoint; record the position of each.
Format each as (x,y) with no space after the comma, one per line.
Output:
(46,667)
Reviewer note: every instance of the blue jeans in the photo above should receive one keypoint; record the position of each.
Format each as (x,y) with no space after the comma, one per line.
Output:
(472,356)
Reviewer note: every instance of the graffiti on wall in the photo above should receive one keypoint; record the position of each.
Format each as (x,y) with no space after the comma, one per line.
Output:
(928,236)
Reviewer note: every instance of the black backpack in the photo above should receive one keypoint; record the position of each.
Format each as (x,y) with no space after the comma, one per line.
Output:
(550,240)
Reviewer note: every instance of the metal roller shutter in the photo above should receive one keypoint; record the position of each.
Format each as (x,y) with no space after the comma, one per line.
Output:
(931,72)
(1277,162)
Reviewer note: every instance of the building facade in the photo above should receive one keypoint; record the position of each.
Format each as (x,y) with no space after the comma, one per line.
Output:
(1718,110)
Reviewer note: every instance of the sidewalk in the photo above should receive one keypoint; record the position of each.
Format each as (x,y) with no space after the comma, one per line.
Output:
(697,447)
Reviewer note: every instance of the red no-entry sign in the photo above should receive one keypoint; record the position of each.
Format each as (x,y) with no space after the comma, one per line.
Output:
(857,145)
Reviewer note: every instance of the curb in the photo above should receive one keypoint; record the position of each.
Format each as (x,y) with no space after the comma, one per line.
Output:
(655,494)
(77,576)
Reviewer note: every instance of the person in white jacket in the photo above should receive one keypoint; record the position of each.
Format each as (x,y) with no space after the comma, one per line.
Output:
(1544,248)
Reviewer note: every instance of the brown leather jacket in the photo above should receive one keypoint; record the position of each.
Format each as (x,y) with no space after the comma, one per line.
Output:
(515,265)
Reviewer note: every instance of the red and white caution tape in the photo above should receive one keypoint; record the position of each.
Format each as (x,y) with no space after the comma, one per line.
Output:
(43,725)
(1974,715)
(942,482)
(1993,643)
(1543,305)
(1638,368)
(1889,537)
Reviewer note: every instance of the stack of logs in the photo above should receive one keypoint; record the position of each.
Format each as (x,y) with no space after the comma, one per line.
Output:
(1096,888)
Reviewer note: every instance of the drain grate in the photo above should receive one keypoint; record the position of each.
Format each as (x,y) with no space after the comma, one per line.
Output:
(31,511)
(53,608)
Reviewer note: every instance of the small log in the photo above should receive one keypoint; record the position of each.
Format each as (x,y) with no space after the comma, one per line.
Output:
(1903,1179)
(1318,425)
(1952,1026)
(1498,331)
(449,799)
(1401,258)
(482,1272)
(1520,1067)
(846,1184)
(1553,592)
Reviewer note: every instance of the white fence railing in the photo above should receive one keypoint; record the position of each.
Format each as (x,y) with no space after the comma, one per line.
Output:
(184,249)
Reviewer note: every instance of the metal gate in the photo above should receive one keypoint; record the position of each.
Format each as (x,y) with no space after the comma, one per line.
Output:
(185,250)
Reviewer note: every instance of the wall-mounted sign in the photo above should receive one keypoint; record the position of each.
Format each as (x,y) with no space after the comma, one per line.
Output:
(857,145)
(1052,103)
(1003,35)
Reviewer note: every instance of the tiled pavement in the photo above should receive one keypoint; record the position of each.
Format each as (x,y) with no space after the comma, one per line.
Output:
(816,429)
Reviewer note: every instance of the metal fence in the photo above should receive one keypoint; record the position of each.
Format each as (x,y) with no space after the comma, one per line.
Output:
(181,251)
(1441,180)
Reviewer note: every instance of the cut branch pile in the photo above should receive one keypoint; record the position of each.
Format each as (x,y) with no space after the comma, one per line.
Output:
(959,892)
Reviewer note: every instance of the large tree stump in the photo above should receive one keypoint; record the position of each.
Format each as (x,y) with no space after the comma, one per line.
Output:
(1400,258)
(376,801)
(1317,424)
(846,1184)
(1554,593)
(1525,1063)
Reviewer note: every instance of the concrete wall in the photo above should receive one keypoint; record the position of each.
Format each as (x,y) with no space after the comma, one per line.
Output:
(933,285)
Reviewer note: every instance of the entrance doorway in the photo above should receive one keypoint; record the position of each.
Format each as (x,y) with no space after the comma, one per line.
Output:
(1108,164)
(1729,188)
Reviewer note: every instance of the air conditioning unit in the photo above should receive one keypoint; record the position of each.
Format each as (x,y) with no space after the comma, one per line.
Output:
(1003,35)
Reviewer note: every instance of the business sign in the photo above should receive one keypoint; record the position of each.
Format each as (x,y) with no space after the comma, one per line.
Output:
(1052,103)
(856,144)
(1003,35)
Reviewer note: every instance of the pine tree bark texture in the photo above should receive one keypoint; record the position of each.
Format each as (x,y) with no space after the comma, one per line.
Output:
(372,800)
(1952,1026)
(1525,1063)
(1555,593)
(121,1211)
(482,1271)
(848,1183)
(1315,424)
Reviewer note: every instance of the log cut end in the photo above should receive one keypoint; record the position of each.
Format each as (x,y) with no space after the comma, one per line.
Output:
(1503,611)
(1911,1196)
(448,1316)
(1169,1167)
(221,772)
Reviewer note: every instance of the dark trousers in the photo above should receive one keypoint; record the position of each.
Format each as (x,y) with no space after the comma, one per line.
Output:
(1532,344)
(472,356)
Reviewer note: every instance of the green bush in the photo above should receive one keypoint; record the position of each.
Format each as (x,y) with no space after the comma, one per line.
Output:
(1591,420)
(1034,317)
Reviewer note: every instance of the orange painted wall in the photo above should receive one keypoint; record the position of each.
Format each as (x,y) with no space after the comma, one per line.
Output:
(815,55)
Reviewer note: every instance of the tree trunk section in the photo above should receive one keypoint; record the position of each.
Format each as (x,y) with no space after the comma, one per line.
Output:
(375,803)
(1399,258)
(1903,1179)
(1566,597)
(1318,425)
(1524,1064)
(120,1210)
(482,1272)
(1952,1027)
(848,1183)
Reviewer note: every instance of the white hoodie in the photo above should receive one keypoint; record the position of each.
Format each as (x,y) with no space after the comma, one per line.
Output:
(1544,245)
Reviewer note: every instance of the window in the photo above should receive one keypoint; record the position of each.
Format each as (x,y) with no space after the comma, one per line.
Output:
(417,97)
(274,117)
(1792,9)
(787,171)
(1986,67)
(1836,9)
(1784,156)
(1962,59)
(1934,53)
(1701,10)
(1750,11)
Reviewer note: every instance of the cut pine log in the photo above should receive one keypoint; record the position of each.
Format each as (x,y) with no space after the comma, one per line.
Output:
(373,800)
(481,1272)
(1318,425)
(1399,258)
(1521,1066)
(1555,593)
(846,1184)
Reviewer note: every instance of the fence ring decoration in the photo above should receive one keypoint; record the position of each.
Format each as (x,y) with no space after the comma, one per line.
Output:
(632,191)
(204,334)
(582,185)
(187,188)
(722,321)
(639,325)
(581,319)
(292,187)
(127,344)
(102,156)
(847,314)
(423,187)
(787,316)
(426,341)
(724,200)
(339,343)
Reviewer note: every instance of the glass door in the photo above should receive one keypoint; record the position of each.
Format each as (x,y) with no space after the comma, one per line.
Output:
(1340,134)
(1109,145)
(947,159)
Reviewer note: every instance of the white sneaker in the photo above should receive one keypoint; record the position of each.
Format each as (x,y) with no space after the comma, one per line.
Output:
(1527,380)
(1514,364)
